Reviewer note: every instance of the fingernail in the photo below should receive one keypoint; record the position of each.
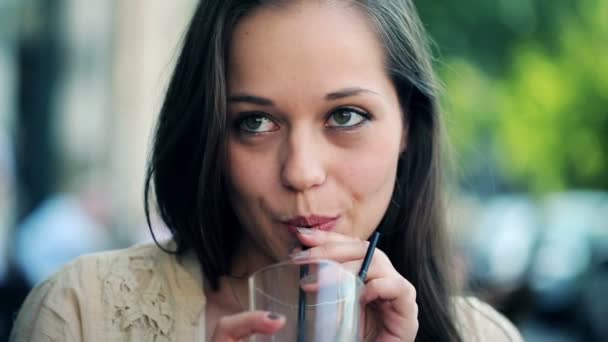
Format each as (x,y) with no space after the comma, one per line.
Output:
(300,255)
(305,231)
(309,279)
(273,316)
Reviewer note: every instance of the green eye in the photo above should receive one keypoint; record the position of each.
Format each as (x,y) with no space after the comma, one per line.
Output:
(346,117)
(252,123)
(256,123)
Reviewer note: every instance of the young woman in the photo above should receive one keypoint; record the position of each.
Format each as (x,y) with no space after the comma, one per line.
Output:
(286,124)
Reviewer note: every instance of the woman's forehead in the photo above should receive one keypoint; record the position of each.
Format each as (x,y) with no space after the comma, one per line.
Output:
(315,46)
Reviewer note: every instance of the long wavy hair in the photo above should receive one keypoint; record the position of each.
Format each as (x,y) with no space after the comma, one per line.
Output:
(185,170)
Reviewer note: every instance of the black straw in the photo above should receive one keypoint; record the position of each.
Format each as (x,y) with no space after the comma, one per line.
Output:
(368,256)
(302,305)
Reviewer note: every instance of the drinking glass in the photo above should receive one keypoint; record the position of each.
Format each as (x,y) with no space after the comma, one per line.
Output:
(319,299)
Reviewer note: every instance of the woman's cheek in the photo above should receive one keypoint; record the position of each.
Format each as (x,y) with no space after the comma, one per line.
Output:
(370,170)
(250,170)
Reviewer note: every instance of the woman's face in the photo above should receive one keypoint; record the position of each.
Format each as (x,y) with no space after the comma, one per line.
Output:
(316,124)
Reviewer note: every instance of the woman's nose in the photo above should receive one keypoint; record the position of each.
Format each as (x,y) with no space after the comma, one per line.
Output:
(303,167)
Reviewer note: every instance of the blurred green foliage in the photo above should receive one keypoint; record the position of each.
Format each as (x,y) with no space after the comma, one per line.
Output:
(526,91)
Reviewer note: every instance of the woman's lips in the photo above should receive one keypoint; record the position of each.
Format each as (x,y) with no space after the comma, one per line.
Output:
(312,222)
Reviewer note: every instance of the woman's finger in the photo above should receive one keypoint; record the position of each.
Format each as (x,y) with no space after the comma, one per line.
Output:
(244,324)
(395,299)
(380,267)
(400,293)
(314,237)
(336,251)
(350,255)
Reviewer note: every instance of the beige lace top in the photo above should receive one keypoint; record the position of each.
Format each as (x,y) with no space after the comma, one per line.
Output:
(144,294)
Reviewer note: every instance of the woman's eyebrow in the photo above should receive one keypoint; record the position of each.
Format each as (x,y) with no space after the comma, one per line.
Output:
(247,98)
(346,92)
(262,101)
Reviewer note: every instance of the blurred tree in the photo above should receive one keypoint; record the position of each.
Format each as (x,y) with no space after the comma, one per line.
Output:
(553,120)
(486,31)
(533,101)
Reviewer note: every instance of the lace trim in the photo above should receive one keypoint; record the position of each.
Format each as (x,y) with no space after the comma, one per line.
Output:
(135,299)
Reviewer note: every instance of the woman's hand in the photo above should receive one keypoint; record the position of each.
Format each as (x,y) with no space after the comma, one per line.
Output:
(245,324)
(389,298)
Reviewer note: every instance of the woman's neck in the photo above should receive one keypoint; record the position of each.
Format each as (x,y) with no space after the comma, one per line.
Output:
(248,259)
(233,293)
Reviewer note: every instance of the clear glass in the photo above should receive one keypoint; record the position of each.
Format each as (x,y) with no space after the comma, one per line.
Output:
(320,300)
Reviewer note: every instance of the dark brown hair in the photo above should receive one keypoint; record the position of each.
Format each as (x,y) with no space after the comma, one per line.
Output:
(189,182)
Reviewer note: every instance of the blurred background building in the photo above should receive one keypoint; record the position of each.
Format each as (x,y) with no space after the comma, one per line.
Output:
(525,102)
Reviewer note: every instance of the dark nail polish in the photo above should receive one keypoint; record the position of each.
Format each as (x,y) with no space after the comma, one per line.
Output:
(309,279)
(302,255)
(273,316)
(305,231)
